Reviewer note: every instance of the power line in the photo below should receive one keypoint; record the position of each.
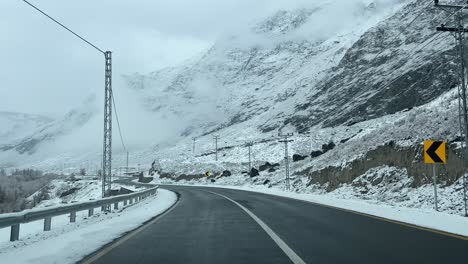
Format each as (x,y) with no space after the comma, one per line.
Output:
(402,75)
(462,100)
(423,9)
(108,101)
(118,123)
(62,25)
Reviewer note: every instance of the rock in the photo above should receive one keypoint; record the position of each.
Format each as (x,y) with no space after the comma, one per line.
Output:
(145,179)
(316,153)
(297,157)
(254,172)
(275,165)
(266,182)
(226,173)
(68,192)
(213,180)
(245,172)
(271,169)
(327,147)
(264,166)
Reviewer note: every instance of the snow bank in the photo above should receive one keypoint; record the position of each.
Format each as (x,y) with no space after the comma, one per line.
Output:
(70,242)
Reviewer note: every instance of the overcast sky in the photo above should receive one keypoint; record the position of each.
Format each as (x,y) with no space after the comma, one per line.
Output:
(46,70)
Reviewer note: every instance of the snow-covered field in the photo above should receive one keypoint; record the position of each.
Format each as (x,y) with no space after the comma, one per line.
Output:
(70,242)
(427,218)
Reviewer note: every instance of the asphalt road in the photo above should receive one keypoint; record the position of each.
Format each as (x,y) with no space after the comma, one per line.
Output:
(207,228)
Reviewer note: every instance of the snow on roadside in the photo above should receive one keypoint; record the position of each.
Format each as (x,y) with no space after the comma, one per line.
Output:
(70,242)
(428,218)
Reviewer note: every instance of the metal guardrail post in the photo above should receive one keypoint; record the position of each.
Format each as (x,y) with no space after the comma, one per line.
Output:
(16,219)
(14,234)
(72,217)
(47,223)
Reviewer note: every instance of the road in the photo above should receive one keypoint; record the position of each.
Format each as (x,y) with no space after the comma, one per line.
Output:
(214,225)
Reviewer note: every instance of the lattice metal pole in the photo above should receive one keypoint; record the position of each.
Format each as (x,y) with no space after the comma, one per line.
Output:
(193,145)
(460,31)
(249,145)
(216,146)
(107,145)
(286,156)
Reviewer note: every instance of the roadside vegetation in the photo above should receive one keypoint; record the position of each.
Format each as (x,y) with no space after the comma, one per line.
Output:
(17,185)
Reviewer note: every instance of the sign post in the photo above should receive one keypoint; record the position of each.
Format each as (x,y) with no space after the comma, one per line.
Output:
(434,153)
(435,186)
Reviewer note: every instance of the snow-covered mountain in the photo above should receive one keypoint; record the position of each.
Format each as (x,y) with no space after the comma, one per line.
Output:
(362,81)
(286,72)
(15,126)
(28,136)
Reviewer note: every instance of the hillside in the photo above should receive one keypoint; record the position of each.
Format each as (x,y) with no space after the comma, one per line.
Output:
(17,125)
(373,87)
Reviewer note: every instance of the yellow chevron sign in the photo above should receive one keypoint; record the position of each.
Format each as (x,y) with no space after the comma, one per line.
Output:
(434,152)
(207,174)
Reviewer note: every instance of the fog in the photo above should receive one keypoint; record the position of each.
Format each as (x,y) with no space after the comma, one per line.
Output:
(46,70)
(42,63)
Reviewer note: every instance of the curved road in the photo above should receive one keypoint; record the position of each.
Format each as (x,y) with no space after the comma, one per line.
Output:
(213,225)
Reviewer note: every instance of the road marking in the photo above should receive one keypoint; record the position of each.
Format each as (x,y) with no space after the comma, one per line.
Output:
(106,249)
(410,225)
(381,218)
(286,249)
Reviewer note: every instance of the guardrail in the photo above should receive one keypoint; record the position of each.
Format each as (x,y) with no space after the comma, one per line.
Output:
(14,220)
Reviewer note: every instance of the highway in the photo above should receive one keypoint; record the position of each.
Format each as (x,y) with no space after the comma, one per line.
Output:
(214,225)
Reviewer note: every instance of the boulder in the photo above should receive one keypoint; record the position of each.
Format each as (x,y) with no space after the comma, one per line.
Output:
(226,173)
(68,192)
(145,179)
(316,153)
(271,169)
(264,166)
(254,172)
(297,157)
(327,147)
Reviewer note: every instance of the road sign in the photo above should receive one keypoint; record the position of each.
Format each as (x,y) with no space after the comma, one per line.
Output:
(207,174)
(434,152)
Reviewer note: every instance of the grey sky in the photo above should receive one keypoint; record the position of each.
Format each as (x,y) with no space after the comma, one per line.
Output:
(44,69)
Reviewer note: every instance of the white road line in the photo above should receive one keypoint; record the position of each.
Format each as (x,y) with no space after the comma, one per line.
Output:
(109,247)
(286,249)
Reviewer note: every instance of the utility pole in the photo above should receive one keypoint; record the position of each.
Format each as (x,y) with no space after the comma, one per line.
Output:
(216,146)
(107,142)
(310,139)
(286,155)
(459,32)
(249,145)
(126,170)
(193,146)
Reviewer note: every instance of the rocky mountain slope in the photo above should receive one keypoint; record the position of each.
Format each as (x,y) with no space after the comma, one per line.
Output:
(27,137)
(17,125)
(380,75)
(281,77)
